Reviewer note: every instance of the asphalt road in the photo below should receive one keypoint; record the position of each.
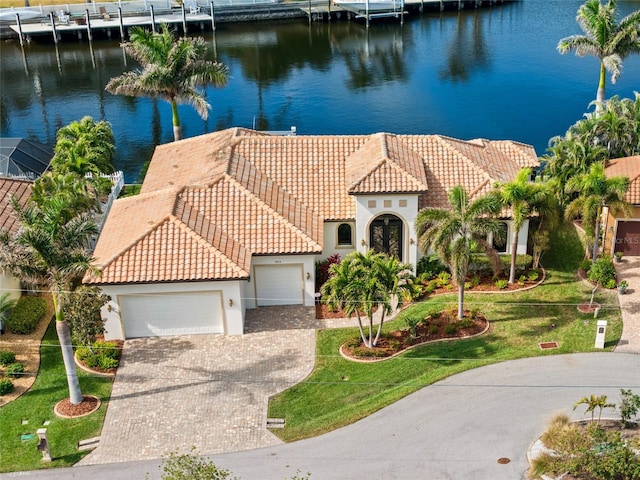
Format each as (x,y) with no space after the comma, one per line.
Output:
(455,429)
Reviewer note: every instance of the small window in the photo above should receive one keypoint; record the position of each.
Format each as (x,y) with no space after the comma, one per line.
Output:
(344,234)
(500,241)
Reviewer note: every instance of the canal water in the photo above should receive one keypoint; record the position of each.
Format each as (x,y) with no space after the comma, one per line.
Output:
(491,72)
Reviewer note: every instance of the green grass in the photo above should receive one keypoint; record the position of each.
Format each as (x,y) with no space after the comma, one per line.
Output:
(340,392)
(36,406)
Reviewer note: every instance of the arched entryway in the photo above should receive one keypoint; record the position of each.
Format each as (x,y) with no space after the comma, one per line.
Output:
(386,235)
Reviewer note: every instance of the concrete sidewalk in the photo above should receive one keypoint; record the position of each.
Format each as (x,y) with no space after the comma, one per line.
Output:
(629,270)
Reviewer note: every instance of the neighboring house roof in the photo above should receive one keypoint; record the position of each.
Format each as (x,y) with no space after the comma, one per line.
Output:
(627,167)
(218,199)
(22,157)
(19,189)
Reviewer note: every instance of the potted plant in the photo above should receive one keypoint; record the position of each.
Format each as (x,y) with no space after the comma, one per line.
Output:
(618,256)
(622,286)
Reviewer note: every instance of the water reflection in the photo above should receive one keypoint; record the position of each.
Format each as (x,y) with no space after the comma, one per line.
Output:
(467,53)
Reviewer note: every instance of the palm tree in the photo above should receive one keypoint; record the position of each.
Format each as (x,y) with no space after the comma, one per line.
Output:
(362,282)
(595,191)
(172,69)
(6,305)
(50,248)
(524,199)
(452,233)
(592,402)
(87,140)
(604,38)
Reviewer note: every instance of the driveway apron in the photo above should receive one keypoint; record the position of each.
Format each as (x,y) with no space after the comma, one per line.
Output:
(629,270)
(205,391)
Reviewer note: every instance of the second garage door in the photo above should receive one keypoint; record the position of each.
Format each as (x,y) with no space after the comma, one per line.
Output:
(171,314)
(279,285)
(628,238)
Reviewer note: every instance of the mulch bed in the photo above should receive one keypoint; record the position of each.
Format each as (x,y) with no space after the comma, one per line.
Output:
(432,328)
(89,404)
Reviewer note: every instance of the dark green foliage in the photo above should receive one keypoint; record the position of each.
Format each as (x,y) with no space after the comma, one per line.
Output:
(322,269)
(82,311)
(7,357)
(501,284)
(99,354)
(24,317)
(629,406)
(465,323)
(585,265)
(106,363)
(451,328)
(6,386)
(433,329)
(14,370)
(603,273)
(413,323)
(429,267)
(533,276)
(481,265)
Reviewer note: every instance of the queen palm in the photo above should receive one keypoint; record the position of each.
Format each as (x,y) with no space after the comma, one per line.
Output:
(452,233)
(604,38)
(595,191)
(524,199)
(50,249)
(172,69)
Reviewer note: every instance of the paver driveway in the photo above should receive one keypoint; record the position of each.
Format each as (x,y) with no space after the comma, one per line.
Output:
(207,391)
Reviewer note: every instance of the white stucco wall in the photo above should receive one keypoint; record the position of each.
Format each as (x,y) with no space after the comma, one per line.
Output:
(368,207)
(11,285)
(331,240)
(308,268)
(233,320)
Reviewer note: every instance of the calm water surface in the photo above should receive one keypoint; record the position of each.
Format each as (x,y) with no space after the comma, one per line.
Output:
(491,72)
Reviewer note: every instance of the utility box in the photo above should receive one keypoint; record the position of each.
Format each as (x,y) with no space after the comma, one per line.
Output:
(601,331)
(43,444)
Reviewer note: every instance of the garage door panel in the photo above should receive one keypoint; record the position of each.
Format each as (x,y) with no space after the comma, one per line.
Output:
(171,314)
(279,285)
(628,238)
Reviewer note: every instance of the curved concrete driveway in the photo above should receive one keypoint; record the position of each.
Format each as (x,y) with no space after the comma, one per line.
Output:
(454,429)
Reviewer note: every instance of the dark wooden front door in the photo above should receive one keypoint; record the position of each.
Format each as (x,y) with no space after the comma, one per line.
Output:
(385,235)
(628,238)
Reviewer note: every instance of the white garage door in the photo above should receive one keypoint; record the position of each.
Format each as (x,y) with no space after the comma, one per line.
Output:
(279,285)
(171,314)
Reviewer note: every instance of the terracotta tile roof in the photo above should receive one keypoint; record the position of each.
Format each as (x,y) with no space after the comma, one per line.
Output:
(21,191)
(385,164)
(627,167)
(209,203)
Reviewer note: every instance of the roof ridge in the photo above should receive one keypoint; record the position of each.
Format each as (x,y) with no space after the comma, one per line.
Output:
(446,144)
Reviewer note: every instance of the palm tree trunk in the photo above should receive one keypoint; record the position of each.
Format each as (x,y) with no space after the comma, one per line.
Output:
(177,128)
(600,96)
(596,238)
(364,339)
(460,300)
(375,342)
(64,337)
(514,253)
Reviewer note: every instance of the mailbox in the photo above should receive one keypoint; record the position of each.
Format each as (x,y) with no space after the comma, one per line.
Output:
(601,331)
(43,444)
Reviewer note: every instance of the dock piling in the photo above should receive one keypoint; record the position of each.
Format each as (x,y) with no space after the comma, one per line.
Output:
(184,19)
(53,28)
(20,29)
(213,17)
(153,19)
(121,24)
(88,22)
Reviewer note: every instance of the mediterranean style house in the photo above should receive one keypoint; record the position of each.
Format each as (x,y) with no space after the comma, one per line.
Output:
(623,234)
(236,219)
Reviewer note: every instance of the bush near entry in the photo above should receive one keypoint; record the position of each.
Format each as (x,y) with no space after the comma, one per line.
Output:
(25,316)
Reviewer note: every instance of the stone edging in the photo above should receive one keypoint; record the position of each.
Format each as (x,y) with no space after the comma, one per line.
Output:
(376,360)
(90,370)
(55,409)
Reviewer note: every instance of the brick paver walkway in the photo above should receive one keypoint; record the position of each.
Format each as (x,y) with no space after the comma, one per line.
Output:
(207,391)
(629,270)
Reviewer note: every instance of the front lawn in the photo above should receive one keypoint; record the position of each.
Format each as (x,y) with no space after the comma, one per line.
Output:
(340,392)
(36,406)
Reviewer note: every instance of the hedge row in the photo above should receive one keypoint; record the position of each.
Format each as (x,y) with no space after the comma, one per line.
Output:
(24,317)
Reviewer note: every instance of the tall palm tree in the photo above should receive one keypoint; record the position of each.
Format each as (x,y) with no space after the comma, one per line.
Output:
(362,282)
(595,191)
(92,142)
(452,233)
(604,38)
(172,69)
(50,249)
(524,199)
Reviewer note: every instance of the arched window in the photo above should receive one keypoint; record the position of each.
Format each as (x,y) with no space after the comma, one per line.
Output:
(344,235)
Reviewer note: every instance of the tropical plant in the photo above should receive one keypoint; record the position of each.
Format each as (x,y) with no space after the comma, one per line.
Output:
(595,191)
(525,198)
(364,283)
(6,305)
(82,311)
(452,232)
(629,406)
(592,402)
(72,188)
(84,147)
(51,248)
(172,70)
(604,38)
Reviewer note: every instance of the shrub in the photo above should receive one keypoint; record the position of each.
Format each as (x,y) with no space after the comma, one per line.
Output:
(14,370)
(450,328)
(430,287)
(106,363)
(443,279)
(501,284)
(585,265)
(99,354)
(322,269)
(83,353)
(522,279)
(466,323)
(467,285)
(25,315)
(7,357)
(603,272)
(92,361)
(6,386)
(433,329)
(82,311)
(480,264)
(533,276)
(413,323)
(475,281)
(429,267)
(105,349)
(629,406)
